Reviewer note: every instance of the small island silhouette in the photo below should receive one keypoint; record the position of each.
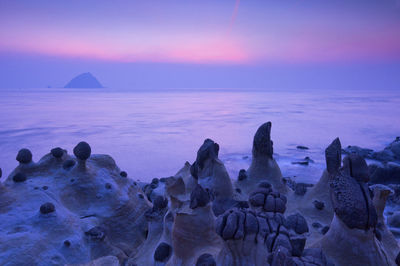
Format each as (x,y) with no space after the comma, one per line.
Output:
(84,80)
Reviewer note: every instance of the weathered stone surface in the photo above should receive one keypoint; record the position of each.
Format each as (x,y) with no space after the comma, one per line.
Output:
(24,156)
(19,177)
(333,156)
(199,197)
(355,166)
(352,202)
(82,151)
(262,144)
(68,164)
(57,152)
(297,222)
(209,150)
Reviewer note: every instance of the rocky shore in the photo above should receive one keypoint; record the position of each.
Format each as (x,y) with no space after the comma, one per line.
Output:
(81,209)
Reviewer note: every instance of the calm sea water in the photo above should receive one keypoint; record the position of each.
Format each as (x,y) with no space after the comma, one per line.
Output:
(152,134)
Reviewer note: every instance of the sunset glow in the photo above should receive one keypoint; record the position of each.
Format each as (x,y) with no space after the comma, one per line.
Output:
(218,33)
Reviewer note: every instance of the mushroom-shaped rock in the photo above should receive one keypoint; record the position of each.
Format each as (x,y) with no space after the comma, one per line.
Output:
(19,177)
(82,151)
(57,152)
(47,208)
(24,156)
(263,167)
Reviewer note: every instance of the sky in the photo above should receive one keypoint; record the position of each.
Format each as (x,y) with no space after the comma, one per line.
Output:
(41,36)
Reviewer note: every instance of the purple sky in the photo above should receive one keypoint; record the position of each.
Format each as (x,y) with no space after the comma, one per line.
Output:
(243,32)
(54,40)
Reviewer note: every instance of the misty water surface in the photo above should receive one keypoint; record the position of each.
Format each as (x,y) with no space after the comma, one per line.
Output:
(152,134)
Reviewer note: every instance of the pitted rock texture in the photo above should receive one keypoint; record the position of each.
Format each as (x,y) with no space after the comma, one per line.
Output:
(352,202)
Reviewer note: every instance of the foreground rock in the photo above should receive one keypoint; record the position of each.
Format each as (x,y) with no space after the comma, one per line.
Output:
(57,216)
(83,210)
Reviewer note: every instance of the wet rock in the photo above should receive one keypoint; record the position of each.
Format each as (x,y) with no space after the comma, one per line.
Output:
(68,164)
(262,144)
(97,233)
(47,207)
(297,222)
(333,156)
(206,260)
(123,174)
(82,151)
(24,156)
(365,153)
(242,175)
(319,205)
(385,174)
(300,147)
(163,252)
(199,197)
(57,152)
(19,177)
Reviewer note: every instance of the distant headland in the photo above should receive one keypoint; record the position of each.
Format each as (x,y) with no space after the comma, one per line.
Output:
(84,80)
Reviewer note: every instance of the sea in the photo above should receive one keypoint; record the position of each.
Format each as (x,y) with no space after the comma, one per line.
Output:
(152,133)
